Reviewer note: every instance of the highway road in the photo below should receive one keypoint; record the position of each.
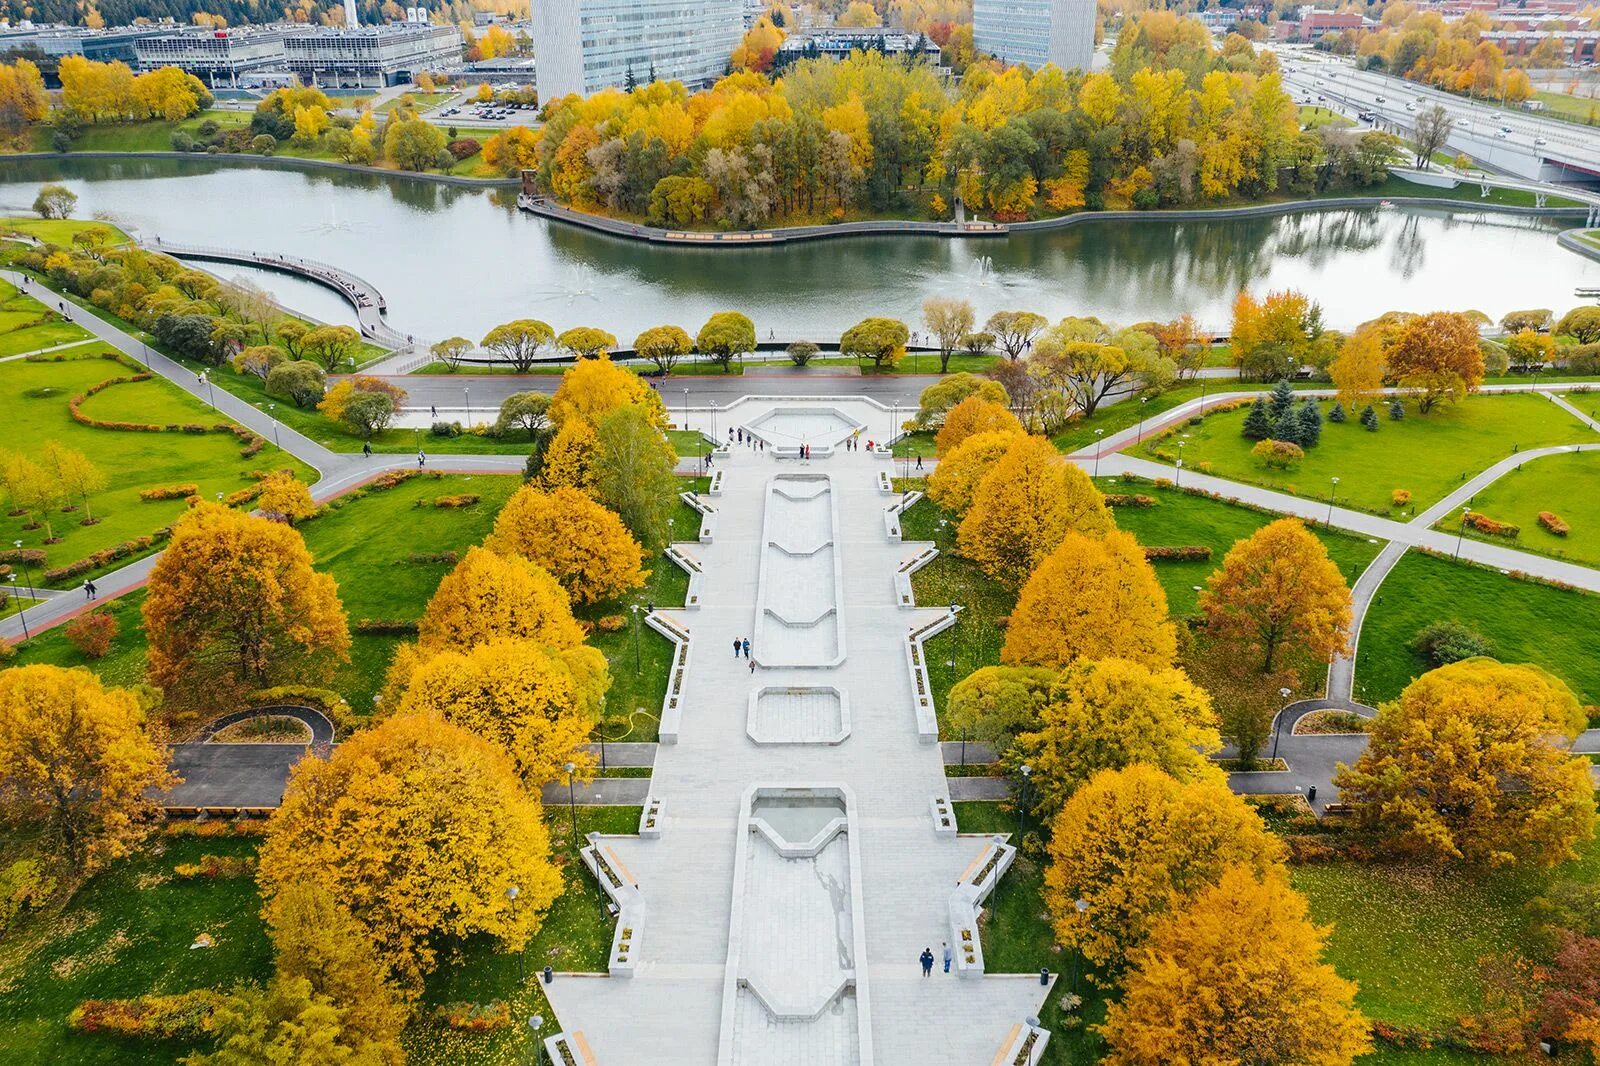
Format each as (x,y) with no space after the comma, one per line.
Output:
(1534,147)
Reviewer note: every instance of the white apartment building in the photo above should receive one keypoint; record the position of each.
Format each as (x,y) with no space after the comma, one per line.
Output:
(1036,32)
(587,45)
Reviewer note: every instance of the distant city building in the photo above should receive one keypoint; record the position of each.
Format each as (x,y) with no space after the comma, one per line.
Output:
(372,55)
(1315,25)
(46,46)
(840,41)
(587,45)
(1036,32)
(1580,46)
(219,57)
(1217,18)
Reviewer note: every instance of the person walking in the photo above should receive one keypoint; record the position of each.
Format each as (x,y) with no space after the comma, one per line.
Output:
(422,458)
(366,449)
(927,962)
(752,666)
(89,591)
(948,955)
(737,643)
(919,462)
(747,647)
(433,411)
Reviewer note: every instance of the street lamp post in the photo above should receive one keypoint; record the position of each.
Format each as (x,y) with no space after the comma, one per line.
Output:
(572,802)
(1462,532)
(1099,433)
(713,420)
(1277,726)
(1142,401)
(1332,495)
(272,407)
(466,394)
(1083,906)
(522,972)
(1178,481)
(686,408)
(1022,807)
(636,666)
(535,1023)
(22,612)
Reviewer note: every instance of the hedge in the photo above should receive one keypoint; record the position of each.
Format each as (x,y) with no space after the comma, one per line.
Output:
(1554,523)
(1179,553)
(1137,499)
(463,499)
(387,627)
(169,492)
(107,556)
(186,1015)
(1482,523)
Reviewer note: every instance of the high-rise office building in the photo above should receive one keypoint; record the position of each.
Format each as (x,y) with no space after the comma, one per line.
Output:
(1036,32)
(587,45)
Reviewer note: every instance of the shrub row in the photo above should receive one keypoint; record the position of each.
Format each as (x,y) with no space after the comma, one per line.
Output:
(217,866)
(1137,499)
(1482,523)
(397,627)
(186,1015)
(169,492)
(424,557)
(462,499)
(325,700)
(253,443)
(1179,553)
(27,556)
(233,499)
(1554,523)
(106,556)
(475,1017)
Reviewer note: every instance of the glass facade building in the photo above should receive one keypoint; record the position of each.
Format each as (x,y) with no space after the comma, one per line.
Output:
(1036,32)
(586,45)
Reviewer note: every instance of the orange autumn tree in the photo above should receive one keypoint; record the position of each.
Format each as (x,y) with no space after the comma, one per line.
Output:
(1357,371)
(1279,594)
(535,703)
(569,458)
(956,478)
(417,828)
(973,415)
(1091,598)
(593,388)
(233,604)
(285,497)
(1030,498)
(1436,357)
(1200,992)
(1135,844)
(1466,765)
(78,762)
(583,544)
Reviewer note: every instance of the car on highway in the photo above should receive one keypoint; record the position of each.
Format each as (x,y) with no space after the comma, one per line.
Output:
(1380,99)
(1540,141)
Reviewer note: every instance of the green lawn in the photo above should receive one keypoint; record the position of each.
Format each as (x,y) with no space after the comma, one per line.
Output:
(1312,118)
(60,230)
(1528,622)
(1183,519)
(1554,484)
(36,393)
(1426,454)
(127,933)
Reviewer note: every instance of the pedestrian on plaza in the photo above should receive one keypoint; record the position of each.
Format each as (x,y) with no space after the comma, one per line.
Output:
(89,591)
(747,647)
(366,449)
(945,945)
(741,436)
(752,666)
(737,644)
(730,434)
(432,410)
(422,458)
(927,962)
(919,462)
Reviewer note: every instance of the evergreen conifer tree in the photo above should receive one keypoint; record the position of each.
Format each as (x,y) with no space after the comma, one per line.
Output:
(1258,424)
(1308,420)
(1369,418)
(1336,412)
(1282,401)
(1397,410)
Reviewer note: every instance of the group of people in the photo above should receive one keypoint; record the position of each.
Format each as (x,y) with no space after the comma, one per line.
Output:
(741,646)
(749,440)
(926,958)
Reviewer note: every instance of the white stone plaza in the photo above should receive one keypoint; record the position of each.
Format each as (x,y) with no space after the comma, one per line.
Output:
(801,867)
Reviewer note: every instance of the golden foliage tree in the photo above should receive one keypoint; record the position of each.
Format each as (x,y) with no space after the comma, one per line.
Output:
(1463,766)
(316,939)
(285,497)
(973,415)
(489,596)
(569,457)
(1135,843)
(1030,498)
(1111,713)
(593,388)
(1358,369)
(583,544)
(418,828)
(287,1021)
(77,761)
(956,478)
(1277,592)
(993,704)
(233,604)
(1436,356)
(1236,975)
(537,704)
(1091,598)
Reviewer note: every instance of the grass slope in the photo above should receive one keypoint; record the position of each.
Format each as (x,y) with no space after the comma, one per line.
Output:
(1426,454)
(1546,484)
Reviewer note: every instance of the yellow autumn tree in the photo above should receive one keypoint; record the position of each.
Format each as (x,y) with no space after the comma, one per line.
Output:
(583,544)
(956,478)
(535,703)
(1278,594)
(206,649)
(417,828)
(1235,971)
(593,388)
(1091,598)
(78,762)
(1110,713)
(1465,765)
(488,596)
(285,497)
(1030,498)
(1136,843)
(1357,371)
(569,458)
(972,416)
